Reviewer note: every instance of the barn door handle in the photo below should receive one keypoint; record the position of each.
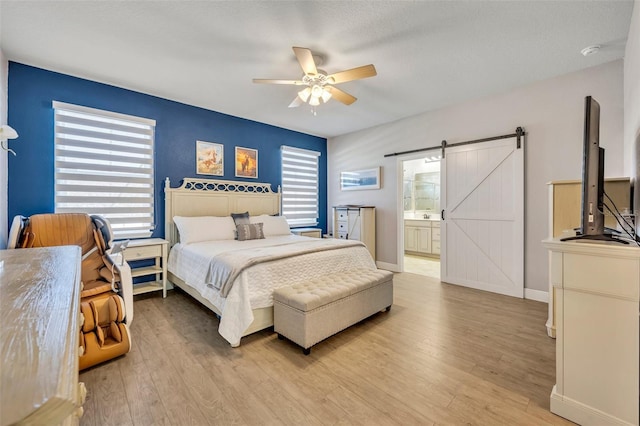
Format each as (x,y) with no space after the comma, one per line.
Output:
(442,214)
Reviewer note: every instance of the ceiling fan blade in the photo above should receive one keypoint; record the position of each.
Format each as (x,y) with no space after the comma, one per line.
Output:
(270,81)
(340,95)
(306,60)
(353,74)
(296,102)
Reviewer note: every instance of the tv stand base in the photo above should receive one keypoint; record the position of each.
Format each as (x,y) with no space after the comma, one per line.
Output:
(600,237)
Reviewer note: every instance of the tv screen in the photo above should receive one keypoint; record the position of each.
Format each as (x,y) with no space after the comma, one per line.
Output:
(592,172)
(592,210)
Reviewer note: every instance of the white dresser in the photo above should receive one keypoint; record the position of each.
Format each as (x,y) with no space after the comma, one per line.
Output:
(597,288)
(564,215)
(356,223)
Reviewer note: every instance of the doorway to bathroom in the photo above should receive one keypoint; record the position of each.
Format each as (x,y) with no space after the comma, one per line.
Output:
(421,215)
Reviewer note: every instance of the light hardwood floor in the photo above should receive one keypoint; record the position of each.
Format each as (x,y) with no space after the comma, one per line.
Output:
(443,355)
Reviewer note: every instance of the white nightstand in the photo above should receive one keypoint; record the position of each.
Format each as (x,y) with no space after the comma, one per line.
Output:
(149,248)
(308,232)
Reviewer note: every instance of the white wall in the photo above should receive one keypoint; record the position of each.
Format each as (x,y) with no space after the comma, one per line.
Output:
(552,114)
(4,72)
(632,104)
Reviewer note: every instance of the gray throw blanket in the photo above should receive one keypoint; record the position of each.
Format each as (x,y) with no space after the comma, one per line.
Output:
(224,268)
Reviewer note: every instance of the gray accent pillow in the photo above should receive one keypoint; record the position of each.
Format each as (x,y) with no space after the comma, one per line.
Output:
(250,231)
(240,218)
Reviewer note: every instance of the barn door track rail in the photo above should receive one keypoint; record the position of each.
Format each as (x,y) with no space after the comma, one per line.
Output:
(519,134)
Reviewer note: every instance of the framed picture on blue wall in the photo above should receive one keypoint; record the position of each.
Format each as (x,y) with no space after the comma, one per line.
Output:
(246,162)
(209,158)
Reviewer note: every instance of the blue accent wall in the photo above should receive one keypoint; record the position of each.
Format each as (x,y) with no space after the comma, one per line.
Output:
(31,92)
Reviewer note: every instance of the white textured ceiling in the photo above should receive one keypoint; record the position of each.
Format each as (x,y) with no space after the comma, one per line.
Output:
(429,54)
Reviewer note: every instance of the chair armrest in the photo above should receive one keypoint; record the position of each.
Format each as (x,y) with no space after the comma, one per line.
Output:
(126,282)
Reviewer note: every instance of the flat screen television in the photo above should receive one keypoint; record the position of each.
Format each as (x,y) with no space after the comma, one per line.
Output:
(592,210)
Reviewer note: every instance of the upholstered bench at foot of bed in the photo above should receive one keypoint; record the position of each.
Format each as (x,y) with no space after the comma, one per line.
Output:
(309,312)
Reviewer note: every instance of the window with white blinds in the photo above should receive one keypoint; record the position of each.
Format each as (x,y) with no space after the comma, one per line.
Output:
(104,165)
(300,186)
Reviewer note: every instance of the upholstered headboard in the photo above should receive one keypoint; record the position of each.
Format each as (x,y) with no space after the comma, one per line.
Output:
(207,197)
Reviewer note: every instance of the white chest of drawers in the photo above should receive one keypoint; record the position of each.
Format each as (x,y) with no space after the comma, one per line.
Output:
(356,223)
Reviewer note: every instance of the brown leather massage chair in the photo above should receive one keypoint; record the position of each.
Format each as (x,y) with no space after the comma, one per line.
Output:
(105,285)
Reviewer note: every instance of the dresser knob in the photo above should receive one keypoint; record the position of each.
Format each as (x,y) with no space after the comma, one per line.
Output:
(82,390)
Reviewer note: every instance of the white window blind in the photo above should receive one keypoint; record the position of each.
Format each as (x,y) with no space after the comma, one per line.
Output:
(104,165)
(300,186)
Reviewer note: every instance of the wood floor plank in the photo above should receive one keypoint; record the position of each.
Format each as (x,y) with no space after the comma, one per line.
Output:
(240,394)
(142,396)
(443,355)
(299,377)
(109,404)
(160,362)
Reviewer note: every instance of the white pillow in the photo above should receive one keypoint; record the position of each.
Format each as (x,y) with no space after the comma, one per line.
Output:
(272,225)
(204,228)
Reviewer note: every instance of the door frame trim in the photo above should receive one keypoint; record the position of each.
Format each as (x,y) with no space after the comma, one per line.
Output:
(400,159)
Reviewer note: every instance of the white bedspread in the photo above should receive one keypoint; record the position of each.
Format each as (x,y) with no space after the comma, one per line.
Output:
(254,286)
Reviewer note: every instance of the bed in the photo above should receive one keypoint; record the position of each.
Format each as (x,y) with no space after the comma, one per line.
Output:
(235,279)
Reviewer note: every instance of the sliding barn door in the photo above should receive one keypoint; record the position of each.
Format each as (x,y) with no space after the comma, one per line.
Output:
(483,228)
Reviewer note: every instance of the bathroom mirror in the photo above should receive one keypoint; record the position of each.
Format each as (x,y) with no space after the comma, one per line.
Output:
(421,186)
(427,191)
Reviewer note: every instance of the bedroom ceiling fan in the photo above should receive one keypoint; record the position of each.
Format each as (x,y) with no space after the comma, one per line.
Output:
(319,86)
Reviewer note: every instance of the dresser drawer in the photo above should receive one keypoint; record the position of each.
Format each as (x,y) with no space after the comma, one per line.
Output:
(137,253)
(342,235)
(341,215)
(342,227)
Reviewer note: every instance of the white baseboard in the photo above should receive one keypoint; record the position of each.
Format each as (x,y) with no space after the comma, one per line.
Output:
(529,293)
(537,295)
(388,266)
(582,413)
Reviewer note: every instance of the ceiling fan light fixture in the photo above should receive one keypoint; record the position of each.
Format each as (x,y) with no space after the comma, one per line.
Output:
(316,90)
(317,84)
(304,94)
(326,95)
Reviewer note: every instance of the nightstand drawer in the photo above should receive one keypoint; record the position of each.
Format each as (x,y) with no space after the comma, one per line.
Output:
(342,227)
(137,253)
(342,235)
(308,232)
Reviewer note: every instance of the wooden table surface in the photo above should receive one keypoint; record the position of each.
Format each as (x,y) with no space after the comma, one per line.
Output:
(39,332)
